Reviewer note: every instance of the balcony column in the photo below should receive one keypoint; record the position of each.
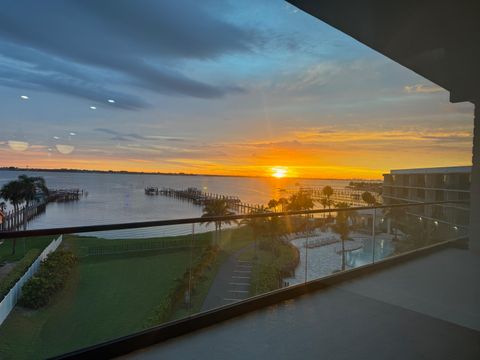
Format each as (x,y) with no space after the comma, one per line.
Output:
(475,184)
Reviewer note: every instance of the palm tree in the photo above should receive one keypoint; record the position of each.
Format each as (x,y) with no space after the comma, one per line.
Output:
(13,193)
(217,208)
(283,202)
(342,228)
(327,191)
(300,201)
(395,214)
(369,198)
(272,204)
(31,186)
(257,224)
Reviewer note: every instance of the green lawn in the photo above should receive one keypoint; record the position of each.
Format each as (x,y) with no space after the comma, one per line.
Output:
(104,299)
(22,247)
(108,296)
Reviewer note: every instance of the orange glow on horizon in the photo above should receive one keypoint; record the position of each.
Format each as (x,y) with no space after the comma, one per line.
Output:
(279,172)
(303,153)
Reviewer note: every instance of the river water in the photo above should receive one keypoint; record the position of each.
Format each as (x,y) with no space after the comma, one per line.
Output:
(120,198)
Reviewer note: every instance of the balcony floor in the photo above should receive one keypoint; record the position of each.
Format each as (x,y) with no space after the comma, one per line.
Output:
(426,308)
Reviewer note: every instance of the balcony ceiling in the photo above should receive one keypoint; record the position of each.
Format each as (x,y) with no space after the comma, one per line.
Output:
(437,39)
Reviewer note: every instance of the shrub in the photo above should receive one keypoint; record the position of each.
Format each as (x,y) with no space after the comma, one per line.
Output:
(17,272)
(163,311)
(50,278)
(277,261)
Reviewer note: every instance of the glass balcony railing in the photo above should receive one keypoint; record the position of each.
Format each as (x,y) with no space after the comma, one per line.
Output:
(105,282)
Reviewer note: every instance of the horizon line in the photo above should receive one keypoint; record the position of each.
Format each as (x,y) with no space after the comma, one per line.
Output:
(15,168)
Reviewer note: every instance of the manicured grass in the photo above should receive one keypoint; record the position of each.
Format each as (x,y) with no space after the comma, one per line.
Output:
(109,296)
(22,247)
(105,298)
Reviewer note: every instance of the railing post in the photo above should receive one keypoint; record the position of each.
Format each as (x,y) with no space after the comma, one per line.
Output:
(373,234)
(474,230)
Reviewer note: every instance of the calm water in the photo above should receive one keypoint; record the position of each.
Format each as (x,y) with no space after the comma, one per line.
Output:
(117,198)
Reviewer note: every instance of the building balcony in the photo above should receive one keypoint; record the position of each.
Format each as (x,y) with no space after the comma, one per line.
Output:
(285,281)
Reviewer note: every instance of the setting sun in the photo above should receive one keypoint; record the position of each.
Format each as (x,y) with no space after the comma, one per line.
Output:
(279,172)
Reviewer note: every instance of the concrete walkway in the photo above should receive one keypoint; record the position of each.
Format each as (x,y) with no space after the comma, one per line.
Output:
(232,282)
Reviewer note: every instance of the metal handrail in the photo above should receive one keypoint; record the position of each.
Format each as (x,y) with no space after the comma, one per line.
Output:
(157,223)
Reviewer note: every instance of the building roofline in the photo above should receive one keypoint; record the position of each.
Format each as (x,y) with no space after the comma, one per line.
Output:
(434,170)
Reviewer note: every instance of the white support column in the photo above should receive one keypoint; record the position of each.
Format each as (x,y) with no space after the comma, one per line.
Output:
(475,184)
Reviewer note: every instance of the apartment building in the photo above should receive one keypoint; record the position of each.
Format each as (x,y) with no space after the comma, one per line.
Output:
(430,185)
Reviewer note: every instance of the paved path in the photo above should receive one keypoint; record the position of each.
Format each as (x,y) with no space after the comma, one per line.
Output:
(232,282)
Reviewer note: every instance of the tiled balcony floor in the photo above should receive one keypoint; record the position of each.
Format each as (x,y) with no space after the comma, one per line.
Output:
(426,308)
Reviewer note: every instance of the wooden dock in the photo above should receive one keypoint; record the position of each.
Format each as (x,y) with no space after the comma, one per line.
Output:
(350,196)
(201,198)
(13,220)
(65,195)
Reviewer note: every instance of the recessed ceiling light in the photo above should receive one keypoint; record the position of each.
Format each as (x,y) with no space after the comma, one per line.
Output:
(56,137)
(65,149)
(18,145)
(111,101)
(72,134)
(24,97)
(93,107)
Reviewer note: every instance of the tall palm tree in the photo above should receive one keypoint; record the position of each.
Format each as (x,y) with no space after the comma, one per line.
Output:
(369,198)
(326,202)
(283,202)
(395,214)
(342,228)
(31,185)
(257,224)
(300,201)
(327,191)
(272,204)
(217,208)
(13,193)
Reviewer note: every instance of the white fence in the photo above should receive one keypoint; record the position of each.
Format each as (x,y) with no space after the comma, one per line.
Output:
(8,303)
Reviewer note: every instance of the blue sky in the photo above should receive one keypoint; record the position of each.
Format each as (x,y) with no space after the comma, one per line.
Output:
(225,87)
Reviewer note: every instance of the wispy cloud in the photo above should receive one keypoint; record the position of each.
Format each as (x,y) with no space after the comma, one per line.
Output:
(122,136)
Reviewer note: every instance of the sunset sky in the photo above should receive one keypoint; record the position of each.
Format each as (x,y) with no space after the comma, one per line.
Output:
(220,87)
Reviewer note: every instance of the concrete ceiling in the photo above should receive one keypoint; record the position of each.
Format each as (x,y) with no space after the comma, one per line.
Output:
(438,39)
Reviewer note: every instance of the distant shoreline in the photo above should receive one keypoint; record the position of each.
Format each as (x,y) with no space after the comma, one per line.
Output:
(124,172)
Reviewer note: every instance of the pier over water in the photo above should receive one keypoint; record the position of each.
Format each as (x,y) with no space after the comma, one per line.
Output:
(201,198)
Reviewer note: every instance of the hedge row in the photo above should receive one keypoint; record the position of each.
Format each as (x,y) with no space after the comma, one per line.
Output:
(50,278)
(165,308)
(278,260)
(17,272)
